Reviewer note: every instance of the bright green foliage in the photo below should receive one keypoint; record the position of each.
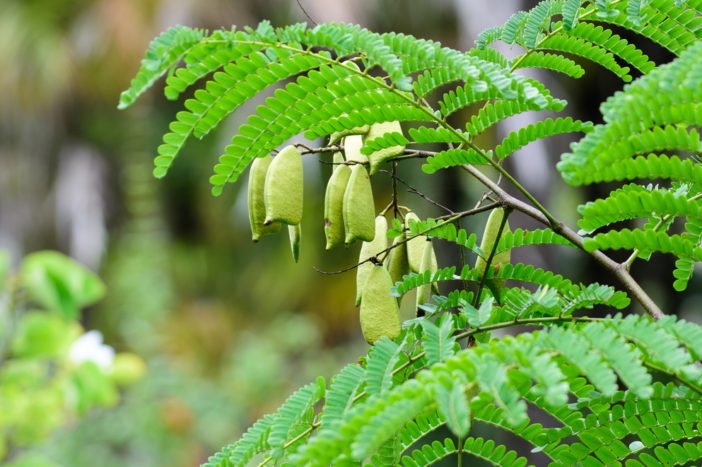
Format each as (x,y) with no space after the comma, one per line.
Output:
(539,130)
(550,61)
(452,158)
(59,284)
(543,368)
(624,148)
(498,110)
(599,380)
(163,53)
(520,238)
(439,343)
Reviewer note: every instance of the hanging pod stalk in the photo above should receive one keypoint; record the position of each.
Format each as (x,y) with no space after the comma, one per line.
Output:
(368,250)
(295,234)
(334,204)
(378,157)
(284,187)
(257,206)
(359,207)
(379,314)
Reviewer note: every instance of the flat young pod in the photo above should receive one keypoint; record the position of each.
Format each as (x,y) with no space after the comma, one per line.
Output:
(359,207)
(376,131)
(257,207)
(334,205)
(415,246)
(379,314)
(492,227)
(284,187)
(368,250)
(295,233)
(352,149)
(397,262)
(428,264)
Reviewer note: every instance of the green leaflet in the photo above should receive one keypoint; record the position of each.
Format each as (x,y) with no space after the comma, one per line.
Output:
(564,43)
(537,131)
(252,442)
(294,409)
(552,62)
(622,205)
(339,397)
(378,157)
(452,158)
(383,358)
(570,13)
(163,52)
(438,342)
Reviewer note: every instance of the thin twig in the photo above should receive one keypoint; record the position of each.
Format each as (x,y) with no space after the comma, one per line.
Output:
(448,219)
(414,154)
(308,150)
(415,191)
(307,15)
(395,210)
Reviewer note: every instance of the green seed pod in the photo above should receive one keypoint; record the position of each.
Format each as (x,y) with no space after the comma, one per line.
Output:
(378,157)
(415,247)
(295,233)
(257,207)
(368,250)
(352,149)
(397,262)
(359,207)
(334,205)
(380,315)
(428,264)
(492,227)
(284,187)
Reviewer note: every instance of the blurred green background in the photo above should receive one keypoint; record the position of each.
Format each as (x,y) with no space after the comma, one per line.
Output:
(227,329)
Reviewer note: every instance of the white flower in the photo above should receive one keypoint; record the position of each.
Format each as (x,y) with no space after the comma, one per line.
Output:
(89,348)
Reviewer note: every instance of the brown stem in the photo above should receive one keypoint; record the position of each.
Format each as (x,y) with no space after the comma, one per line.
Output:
(619,270)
